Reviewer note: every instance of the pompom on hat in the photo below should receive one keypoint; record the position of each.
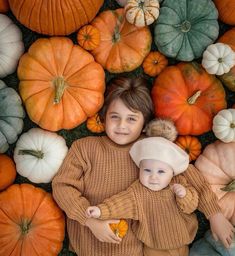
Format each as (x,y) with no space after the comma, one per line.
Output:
(158,148)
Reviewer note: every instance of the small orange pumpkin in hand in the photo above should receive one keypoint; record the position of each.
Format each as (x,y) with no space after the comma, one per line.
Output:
(7,171)
(94,124)
(154,63)
(120,228)
(88,37)
(191,145)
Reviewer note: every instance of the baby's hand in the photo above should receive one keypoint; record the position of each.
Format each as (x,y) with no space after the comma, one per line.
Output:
(179,190)
(93,212)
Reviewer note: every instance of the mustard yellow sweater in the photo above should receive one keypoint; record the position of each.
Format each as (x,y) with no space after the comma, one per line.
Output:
(164,221)
(94,169)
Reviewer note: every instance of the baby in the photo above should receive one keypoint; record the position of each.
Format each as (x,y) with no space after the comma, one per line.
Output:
(161,199)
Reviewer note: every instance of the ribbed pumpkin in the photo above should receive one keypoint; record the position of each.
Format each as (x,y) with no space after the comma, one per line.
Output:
(226,9)
(94,124)
(55,17)
(11,116)
(123,46)
(189,96)
(88,37)
(120,228)
(217,164)
(228,79)
(60,83)
(7,171)
(185,28)
(4,5)
(191,145)
(31,223)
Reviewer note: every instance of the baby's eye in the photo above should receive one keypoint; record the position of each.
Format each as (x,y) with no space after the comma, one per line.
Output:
(147,170)
(161,171)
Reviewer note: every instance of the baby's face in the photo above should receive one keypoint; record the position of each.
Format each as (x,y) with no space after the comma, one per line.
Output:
(154,174)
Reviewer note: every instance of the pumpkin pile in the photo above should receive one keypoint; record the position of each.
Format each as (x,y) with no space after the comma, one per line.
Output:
(55,60)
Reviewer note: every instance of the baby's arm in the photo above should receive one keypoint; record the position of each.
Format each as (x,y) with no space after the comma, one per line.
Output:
(186,198)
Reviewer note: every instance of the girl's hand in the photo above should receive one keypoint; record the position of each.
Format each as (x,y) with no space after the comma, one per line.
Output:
(93,212)
(102,231)
(222,229)
(179,190)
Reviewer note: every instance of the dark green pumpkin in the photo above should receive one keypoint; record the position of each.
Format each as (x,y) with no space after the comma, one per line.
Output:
(185,28)
(11,116)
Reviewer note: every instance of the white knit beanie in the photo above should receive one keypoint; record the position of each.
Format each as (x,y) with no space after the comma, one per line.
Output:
(159,148)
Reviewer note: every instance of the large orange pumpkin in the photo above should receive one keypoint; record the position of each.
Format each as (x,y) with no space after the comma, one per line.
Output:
(4,6)
(217,164)
(226,9)
(123,46)
(60,83)
(30,222)
(189,96)
(55,17)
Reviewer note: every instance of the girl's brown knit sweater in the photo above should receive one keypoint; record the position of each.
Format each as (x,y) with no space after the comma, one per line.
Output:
(164,221)
(94,169)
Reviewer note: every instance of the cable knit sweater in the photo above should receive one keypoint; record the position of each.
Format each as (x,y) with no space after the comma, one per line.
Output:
(164,221)
(94,169)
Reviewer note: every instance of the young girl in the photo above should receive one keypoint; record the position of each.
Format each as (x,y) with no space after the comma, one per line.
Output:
(96,168)
(161,199)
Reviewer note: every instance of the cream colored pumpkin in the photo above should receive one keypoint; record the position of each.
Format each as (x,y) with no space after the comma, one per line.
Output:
(224,125)
(142,12)
(38,155)
(217,164)
(11,46)
(218,59)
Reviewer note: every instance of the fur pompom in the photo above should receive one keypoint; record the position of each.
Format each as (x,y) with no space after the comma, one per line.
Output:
(161,128)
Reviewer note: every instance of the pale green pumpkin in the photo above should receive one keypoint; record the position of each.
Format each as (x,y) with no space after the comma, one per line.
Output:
(11,116)
(185,28)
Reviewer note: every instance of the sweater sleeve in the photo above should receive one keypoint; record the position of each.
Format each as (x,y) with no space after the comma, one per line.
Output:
(68,186)
(122,205)
(208,202)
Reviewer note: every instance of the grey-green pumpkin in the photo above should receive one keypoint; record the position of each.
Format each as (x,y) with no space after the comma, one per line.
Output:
(185,28)
(11,116)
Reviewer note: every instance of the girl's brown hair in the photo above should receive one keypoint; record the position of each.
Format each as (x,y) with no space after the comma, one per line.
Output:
(133,92)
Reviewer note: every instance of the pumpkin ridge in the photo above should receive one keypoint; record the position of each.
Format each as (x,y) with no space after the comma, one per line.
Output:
(179,34)
(72,12)
(19,7)
(205,35)
(34,94)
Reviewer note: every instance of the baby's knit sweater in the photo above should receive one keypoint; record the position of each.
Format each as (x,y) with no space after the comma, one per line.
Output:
(164,221)
(94,169)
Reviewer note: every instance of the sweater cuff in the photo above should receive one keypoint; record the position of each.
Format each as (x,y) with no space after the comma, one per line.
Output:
(211,208)
(105,212)
(79,213)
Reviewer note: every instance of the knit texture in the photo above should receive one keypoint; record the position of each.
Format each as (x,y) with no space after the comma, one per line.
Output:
(94,169)
(161,224)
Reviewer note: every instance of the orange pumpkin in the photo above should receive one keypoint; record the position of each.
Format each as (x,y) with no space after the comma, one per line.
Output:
(123,46)
(217,164)
(53,17)
(7,171)
(60,83)
(94,124)
(189,96)
(228,38)
(226,9)
(4,5)
(30,222)
(120,228)
(191,145)
(88,37)
(154,63)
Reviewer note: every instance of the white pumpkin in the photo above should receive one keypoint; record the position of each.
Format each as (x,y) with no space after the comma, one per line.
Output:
(142,12)
(218,59)
(224,125)
(38,154)
(11,46)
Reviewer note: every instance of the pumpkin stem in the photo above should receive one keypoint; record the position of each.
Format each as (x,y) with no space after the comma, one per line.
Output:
(59,84)
(38,154)
(185,26)
(24,226)
(116,34)
(193,98)
(232,125)
(220,60)
(116,232)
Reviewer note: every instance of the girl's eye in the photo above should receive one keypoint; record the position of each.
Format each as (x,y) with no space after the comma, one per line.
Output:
(161,171)
(132,119)
(147,170)
(113,116)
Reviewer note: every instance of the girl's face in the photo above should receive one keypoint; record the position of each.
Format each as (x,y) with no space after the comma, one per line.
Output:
(122,125)
(155,175)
